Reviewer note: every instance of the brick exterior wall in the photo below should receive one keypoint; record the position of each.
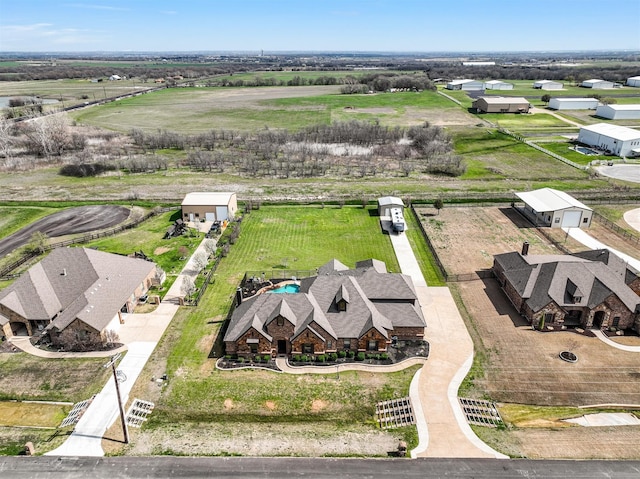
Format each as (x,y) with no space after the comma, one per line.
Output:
(308,337)
(372,335)
(78,329)
(407,333)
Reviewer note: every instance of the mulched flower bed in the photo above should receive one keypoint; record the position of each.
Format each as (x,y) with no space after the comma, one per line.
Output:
(397,352)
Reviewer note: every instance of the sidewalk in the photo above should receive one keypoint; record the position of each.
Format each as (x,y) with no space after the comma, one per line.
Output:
(592,243)
(442,428)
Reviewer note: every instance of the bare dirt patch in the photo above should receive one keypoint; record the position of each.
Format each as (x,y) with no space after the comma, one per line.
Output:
(318,405)
(270,405)
(272,439)
(467,238)
(372,111)
(77,220)
(160,250)
(228,404)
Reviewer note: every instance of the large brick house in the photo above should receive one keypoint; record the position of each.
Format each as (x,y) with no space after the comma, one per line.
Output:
(75,296)
(591,289)
(340,309)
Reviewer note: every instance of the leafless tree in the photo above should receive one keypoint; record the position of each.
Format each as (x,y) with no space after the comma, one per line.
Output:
(200,260)
(188,287)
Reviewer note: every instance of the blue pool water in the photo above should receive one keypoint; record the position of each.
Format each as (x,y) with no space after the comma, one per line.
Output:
(287,288)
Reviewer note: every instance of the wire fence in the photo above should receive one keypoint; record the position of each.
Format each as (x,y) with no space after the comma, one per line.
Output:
(625,234)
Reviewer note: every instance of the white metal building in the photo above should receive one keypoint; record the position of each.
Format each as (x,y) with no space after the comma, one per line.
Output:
(387,203)
(619,112)
(561,103)
(548,85)
(617,140)
(497,85)
(465,84)
(633,81)
(557,209)
(208,206)
(598,84)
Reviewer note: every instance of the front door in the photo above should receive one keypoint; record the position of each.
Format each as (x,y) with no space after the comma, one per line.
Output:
(597,319)
(282,346)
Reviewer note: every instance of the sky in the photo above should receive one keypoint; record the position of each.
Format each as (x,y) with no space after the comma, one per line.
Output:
(318,25)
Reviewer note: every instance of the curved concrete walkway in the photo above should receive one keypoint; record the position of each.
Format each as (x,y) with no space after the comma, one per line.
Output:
(623,347)
(590,242)
(442,428)
(285,367)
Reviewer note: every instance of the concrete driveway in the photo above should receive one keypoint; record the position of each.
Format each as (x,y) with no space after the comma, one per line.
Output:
(140,333)
(442,428)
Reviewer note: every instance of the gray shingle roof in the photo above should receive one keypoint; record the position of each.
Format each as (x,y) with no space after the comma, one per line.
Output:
(76,283)
(378,300)
(583,279)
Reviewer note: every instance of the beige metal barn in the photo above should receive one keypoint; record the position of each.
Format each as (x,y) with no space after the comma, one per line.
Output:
(209,206)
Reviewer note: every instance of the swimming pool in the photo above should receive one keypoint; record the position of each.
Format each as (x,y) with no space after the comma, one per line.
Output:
(287,288)
(586,151)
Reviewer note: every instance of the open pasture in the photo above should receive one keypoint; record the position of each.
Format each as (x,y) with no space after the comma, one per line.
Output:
(192,110)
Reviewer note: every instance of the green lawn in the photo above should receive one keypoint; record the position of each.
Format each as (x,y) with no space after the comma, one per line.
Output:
(28,377)
(301,238)
(14,218)
(148,238)
(493,155)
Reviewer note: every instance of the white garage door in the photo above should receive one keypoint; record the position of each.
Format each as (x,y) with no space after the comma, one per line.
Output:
(210,216)
(222,213)
(571,219)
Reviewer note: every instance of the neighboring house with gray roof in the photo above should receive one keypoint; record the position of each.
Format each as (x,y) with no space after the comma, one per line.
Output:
(340,309)
(75,295)
(592,289)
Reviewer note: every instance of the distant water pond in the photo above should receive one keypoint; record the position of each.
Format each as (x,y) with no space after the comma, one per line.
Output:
(4,100)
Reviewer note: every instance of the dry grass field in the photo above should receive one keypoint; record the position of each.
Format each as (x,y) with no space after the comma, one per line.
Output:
(466,238)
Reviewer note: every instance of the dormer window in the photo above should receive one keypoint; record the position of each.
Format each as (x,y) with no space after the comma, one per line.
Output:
(577,299)
(280,321)
(342,298)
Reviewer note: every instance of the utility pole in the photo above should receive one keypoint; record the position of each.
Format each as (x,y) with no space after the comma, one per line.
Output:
(123,419)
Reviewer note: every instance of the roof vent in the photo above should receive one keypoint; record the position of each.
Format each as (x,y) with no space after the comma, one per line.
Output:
(64,272)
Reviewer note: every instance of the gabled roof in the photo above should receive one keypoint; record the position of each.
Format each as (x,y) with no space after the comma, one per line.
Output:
(567,280)
(503,100)
(462,81)
(548,199)
(390,201)
(617,132)
(207,198)
(376,299)
(73,283)
(497,82)
(627,107)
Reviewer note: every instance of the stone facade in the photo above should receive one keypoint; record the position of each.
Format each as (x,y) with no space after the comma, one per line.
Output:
(610,313)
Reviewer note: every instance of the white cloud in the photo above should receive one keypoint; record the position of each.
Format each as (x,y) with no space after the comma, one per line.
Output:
(33,36)
(91,6)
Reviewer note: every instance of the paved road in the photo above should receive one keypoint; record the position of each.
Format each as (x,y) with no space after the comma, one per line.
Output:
(69,221)
(632,217)
(621,172)
(310,468)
